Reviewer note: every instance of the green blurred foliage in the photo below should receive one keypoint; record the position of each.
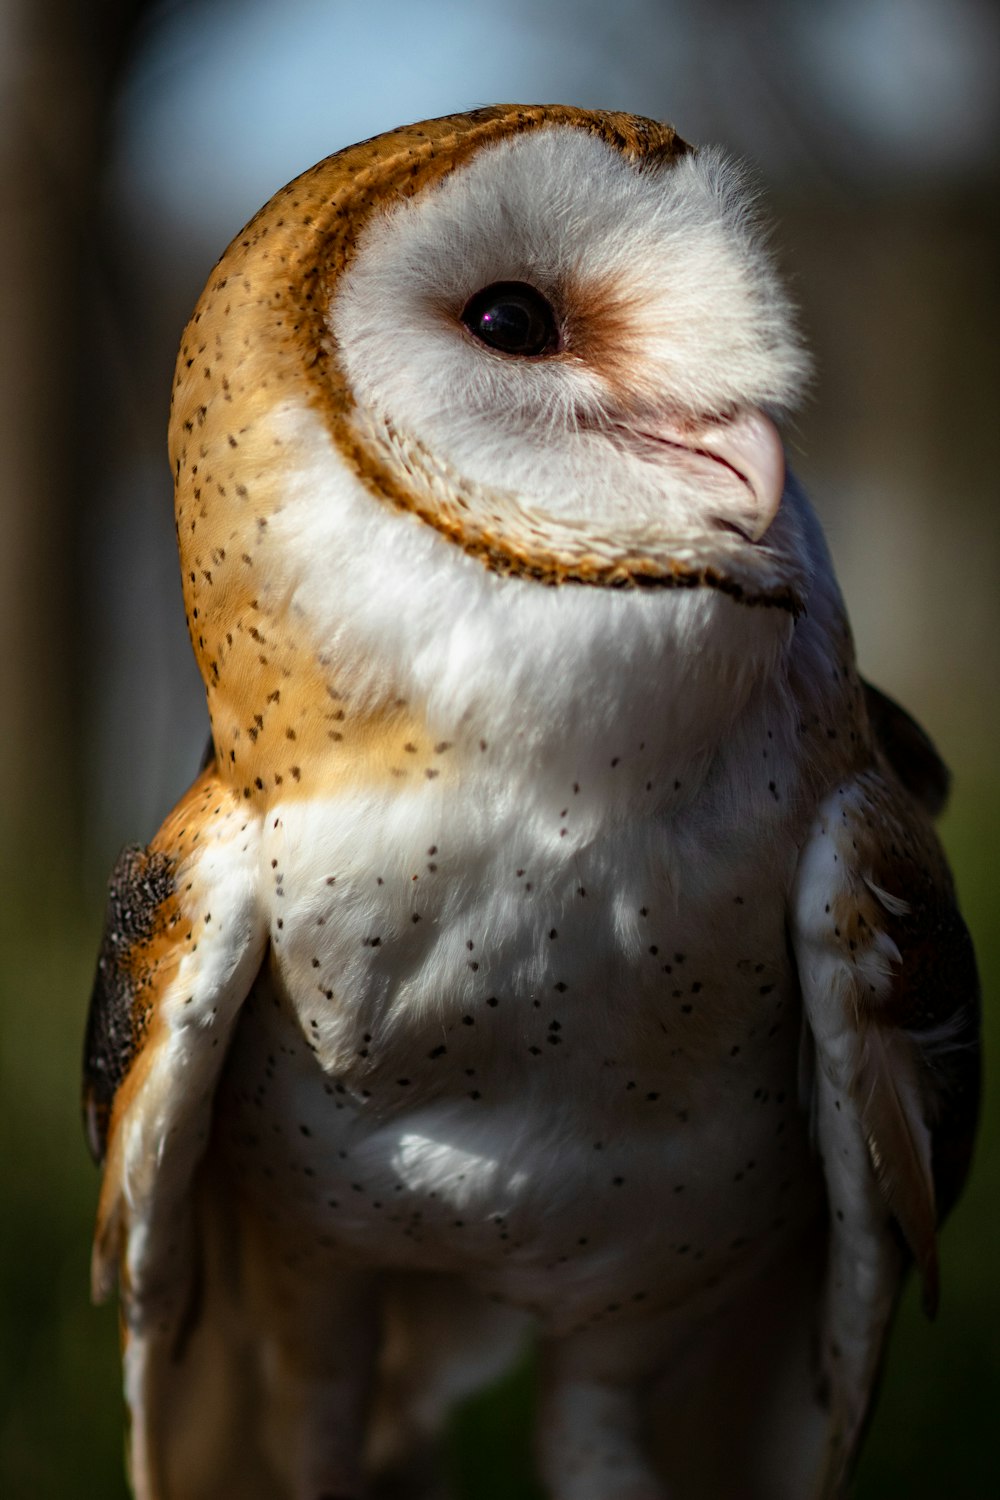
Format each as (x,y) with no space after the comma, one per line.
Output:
(62,1427)
(61,1431)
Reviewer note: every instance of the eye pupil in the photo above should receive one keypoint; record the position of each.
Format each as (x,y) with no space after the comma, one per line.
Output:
(513,317)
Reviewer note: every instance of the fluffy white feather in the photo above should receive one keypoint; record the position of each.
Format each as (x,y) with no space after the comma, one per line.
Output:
(669,259)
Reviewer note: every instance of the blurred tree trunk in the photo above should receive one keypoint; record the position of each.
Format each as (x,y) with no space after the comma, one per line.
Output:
(59,62)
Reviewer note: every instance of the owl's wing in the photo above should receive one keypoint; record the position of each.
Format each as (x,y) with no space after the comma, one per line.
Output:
(890,997)
(909,750)
(184,939)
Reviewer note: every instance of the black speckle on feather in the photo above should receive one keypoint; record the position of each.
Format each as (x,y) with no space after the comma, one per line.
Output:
(141,882)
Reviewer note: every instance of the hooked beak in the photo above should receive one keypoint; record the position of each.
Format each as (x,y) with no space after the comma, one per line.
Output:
(747,444)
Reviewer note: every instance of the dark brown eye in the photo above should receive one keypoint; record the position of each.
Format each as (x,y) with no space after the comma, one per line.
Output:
(513,317)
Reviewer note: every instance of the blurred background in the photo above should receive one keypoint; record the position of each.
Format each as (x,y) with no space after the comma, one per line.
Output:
(135,139)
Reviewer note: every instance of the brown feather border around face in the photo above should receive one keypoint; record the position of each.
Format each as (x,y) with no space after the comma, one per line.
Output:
(284,267)
(402,173)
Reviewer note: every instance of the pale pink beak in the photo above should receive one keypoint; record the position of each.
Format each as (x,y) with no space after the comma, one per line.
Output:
(751,445)
(748,444)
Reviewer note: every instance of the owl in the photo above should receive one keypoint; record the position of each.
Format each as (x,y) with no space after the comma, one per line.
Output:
(554,948)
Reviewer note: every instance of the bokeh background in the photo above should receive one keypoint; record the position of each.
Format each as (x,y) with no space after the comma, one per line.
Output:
(135,139)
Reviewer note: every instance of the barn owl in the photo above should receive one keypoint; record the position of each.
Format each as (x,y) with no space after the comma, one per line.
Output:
(555,945)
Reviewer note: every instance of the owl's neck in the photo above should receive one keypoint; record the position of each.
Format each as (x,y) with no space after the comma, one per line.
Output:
(577,701)
(374,651)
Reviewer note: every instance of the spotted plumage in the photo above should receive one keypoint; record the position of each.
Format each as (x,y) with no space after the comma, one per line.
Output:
(555,944)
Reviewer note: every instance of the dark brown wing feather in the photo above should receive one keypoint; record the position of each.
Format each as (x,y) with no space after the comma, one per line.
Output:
(139,894)
(891,1000)
(935,1001)
(909,750)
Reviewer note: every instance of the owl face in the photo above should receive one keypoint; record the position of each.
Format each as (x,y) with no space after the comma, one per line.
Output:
(473,417)
(561,324)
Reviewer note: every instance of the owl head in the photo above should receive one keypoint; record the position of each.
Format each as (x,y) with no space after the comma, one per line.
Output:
(476,410)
